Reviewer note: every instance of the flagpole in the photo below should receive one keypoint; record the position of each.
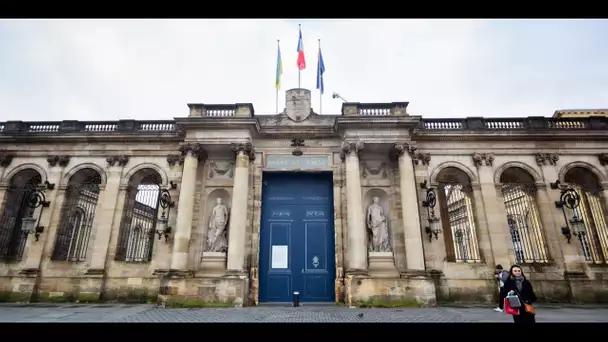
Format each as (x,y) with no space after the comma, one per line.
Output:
(277,86)
(299,71)
(318,70)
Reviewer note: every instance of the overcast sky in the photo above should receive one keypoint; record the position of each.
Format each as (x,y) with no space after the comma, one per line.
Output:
(150,69)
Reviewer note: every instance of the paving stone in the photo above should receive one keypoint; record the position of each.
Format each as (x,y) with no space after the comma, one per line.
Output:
(150,313)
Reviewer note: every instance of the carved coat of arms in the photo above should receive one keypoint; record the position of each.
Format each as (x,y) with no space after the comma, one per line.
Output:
(297,104)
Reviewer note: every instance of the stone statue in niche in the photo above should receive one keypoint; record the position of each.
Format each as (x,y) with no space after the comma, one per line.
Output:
(216,233)
(378,228)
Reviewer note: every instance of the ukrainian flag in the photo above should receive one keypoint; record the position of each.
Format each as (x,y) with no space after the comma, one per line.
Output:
(279,68)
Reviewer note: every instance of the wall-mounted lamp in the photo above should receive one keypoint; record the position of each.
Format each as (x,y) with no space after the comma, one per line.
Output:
(569,198)
(35,198)
(429,203)
(337,96)
(162,223)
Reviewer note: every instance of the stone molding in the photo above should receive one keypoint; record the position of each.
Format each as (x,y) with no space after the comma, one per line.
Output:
(421,158)
(120,160)
(399,149)
(546,158)
(194,149)
(6,159)
(247,148)
(175,159)
(602,158)
(61,160)
(349,147)
(483,158)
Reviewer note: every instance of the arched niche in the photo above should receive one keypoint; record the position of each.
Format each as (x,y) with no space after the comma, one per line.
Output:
(449,168)
(210,203)
(581,175)
(516,170)
(25,176)
(132,176)
(18,171)
(383,201)
(516,174)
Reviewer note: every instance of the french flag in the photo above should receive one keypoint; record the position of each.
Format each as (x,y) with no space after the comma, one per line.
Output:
(301,59)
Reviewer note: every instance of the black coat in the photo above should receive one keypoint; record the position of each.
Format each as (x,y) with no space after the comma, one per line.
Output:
(526,294)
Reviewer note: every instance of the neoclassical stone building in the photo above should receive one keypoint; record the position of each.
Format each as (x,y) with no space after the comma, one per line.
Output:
(374,204)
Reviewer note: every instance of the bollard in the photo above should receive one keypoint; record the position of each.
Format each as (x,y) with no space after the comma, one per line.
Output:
(296,298)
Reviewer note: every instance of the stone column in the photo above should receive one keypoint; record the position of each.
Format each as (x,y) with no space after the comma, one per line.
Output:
(105,214)
(237,230)
(357,249)
(185,206)
(414,253)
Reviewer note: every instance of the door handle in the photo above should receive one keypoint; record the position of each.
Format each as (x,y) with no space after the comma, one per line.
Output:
(302,270)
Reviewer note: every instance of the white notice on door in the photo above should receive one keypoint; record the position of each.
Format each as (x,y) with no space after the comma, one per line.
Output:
(279,257)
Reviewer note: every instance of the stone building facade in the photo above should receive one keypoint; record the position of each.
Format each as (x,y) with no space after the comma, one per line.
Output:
(391,206)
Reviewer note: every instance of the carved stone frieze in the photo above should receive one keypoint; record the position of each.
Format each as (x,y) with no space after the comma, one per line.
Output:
(375,169)
(247,148)
(421,158)
(221,169)
(175,159)
(602,157)
(120,160)
(546,158)
(55,160)
(349,147)
(480,158)
(400,148)
(6,159)
(194,149)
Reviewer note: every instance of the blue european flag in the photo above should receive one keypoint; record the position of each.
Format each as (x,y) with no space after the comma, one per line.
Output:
(320,71)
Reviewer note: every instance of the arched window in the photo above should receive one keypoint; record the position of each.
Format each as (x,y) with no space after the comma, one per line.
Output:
(77,214)
(14,209)
(140,212)
(525,227)
(458,215)
(594,233)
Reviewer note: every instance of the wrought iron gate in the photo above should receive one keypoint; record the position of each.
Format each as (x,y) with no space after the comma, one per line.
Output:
(138,224)
(20,202)
(77,216)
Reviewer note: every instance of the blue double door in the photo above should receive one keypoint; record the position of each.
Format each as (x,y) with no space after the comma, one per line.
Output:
(297,250)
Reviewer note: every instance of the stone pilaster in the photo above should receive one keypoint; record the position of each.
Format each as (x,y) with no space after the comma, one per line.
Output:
(357,249)
(237,229)
(494,208)
(105,218)
(483,230)
(412,230)
(192,153)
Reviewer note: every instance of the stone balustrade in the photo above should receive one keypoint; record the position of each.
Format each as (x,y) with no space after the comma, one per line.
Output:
(364,110)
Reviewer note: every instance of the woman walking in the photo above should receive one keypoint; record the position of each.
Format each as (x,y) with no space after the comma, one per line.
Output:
(520,286)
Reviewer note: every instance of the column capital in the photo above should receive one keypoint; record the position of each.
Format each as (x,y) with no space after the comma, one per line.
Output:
(401,148)
(479,158)
(247,148)
(349,147)
(193,149)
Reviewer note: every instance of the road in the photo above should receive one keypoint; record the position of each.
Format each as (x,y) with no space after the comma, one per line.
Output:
(150,313)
